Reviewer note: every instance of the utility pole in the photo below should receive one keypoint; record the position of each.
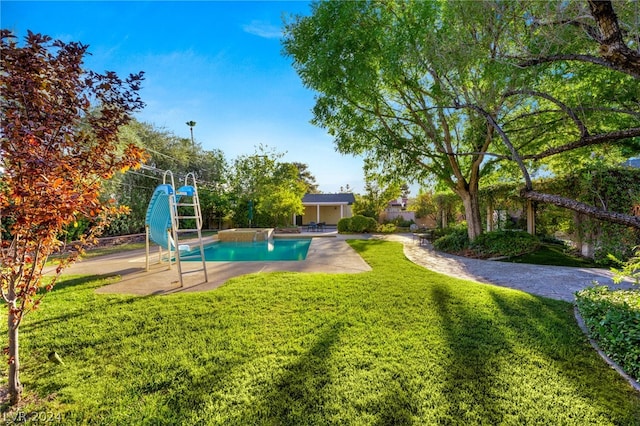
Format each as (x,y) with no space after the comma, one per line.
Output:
(191,124)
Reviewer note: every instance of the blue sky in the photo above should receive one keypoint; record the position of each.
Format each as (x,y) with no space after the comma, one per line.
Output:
(217,63)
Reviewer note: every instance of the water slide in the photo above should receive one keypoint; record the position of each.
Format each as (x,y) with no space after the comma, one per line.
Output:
(158,217)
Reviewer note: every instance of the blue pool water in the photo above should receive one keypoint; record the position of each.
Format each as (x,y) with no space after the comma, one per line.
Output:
(285,249)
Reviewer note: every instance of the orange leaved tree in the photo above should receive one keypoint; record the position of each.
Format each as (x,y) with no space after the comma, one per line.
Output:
(58,143)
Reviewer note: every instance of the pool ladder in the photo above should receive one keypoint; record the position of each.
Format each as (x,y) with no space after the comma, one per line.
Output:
(183,209)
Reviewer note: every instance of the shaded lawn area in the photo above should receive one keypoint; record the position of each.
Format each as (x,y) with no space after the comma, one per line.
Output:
(554,255)
(397,345)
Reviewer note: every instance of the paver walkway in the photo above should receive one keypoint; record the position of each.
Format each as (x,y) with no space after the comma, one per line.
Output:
(556,282)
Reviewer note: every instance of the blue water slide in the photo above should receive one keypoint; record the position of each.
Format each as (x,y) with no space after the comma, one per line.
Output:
(186,190)
(158,217)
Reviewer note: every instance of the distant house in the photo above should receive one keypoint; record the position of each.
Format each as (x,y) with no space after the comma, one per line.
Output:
(397,209)
(327,208)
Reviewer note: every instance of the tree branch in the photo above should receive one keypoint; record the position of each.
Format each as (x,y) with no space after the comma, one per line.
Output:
(490,154)
(615,54)
(587,141)
(614,217)
(583,129)
(505,139)
(579,58)
(612,46)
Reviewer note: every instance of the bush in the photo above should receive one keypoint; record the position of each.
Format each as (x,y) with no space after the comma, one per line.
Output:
(613,320)
(630,268)
(504,243)
(357,224)
(361,224)
(455,241)
(399,221)
(387,228)
(344,225)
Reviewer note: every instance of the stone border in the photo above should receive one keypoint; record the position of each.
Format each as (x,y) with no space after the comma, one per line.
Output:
(634,384)
(245,234)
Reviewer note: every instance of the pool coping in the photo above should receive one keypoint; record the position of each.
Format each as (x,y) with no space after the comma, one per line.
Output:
(328,254)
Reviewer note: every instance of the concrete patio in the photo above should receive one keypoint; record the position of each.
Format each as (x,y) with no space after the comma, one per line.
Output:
(327,253)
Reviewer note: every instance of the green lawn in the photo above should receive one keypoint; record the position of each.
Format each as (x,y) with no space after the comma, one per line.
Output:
(397,345)
(553,254)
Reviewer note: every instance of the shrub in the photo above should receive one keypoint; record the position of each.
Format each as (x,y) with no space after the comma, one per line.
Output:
(357,224)
(361,224)
(401,222)
(453,242)
(344,225)
(630,268)
(613,320)
(504,243)
(387,228)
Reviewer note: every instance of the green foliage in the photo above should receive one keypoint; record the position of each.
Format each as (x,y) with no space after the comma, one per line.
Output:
(357,224)
(556,254)
(614,189)
(375,199)
(76,230)
(344,225)
(613,320)
(453,242)
(281,203)
(360,224)
(387,228)
(166,151)
(378,73)
(628,269)
(504,243)
(425,205)
(275,187)
(401,222)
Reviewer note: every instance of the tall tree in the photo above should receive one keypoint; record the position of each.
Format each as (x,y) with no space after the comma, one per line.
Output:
(453,89)
(271,187)
(391,79)
(58,141)
(306,177)
(376,198)
(280,196)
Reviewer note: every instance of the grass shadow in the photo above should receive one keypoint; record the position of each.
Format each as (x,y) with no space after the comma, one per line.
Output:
(549,327)
(470,381)
(298,395)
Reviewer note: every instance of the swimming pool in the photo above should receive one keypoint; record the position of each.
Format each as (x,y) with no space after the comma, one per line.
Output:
(274,250)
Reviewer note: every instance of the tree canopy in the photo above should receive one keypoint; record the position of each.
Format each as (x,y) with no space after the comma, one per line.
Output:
(460,91)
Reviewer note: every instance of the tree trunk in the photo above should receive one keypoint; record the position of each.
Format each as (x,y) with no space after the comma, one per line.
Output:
(471,204)
(531,218)
(612,45)
(490,212)
(15,387)
(591,211)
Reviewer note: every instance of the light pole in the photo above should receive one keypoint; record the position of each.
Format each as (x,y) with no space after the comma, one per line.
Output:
(191,124)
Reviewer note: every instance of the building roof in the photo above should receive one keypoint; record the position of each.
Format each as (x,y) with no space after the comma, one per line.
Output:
(342,198)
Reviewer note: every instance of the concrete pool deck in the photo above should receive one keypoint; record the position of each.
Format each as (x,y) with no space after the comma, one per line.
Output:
(328,253)
(332,255)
